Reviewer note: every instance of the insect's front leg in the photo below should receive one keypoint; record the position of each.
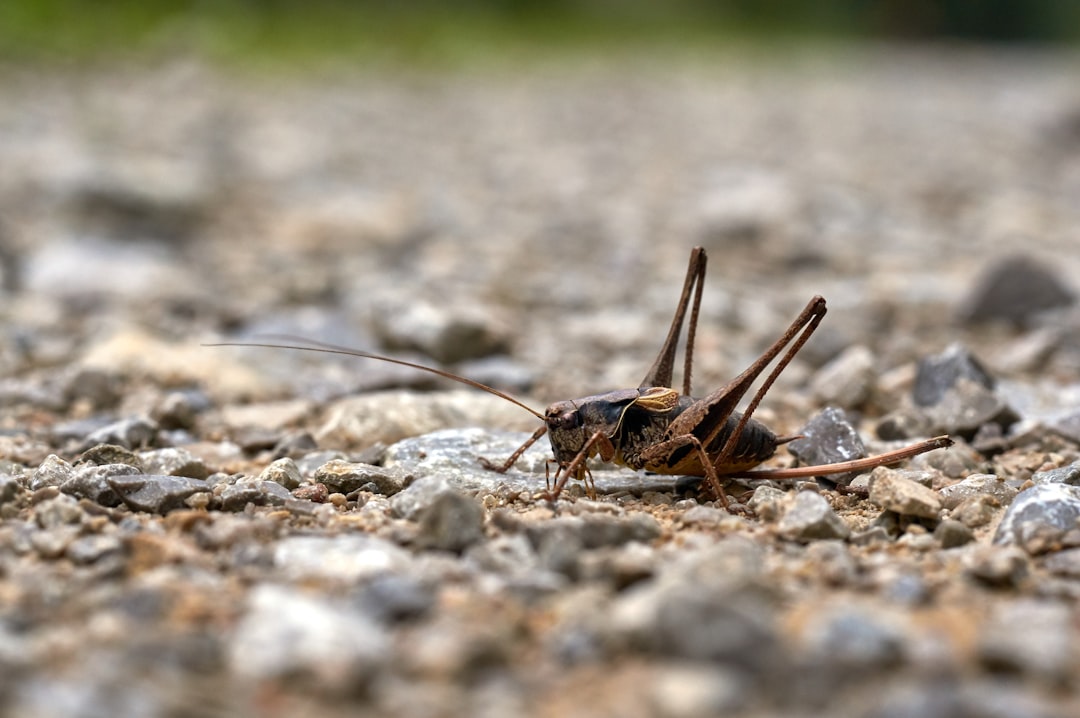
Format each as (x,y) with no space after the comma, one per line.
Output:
(505,466)
(577,469)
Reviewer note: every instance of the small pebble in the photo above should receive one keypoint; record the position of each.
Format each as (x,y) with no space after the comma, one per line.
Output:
(810,517)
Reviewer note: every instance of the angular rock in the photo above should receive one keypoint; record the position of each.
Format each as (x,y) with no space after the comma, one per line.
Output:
(1062,475)
(284,472)
(892,491)
(345,477)
(975,486)
(91,549)
(394,597)
(810,517)
(92,482)
(975,511)
(1029,637)
(173,461)
(1064,563)
(347,558)
(179,409)
(133,433)
(413,501)
(951,533)
(829,438)
(1039,517)
(998,566)
(156,494)
(289,634)
(767,502)
(101,389)
(937,374)
(451,522)
(966,408)
(1015,289)
(255,492)
(53,471)
(446,334)
(726,628)
(103,454)
(59,511)
(10,488)
(847,380)
(854,639)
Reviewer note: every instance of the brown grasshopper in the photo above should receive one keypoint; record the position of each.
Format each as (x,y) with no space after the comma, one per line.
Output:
(658,429)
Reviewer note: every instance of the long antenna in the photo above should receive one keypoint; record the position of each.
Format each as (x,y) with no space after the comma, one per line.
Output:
(324,348)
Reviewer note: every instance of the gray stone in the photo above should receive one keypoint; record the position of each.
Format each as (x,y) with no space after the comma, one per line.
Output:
(937,374)
(286,634)
(976,511)
(506,554)
(1062,475)
(605,530)
(1064,563)
(558,543)
(767,502)
(704,516)
(829,438)
(255,492)
(951,533)
(729,625)
(420,494)
(91,549)
(591,531)
(1039,517)
(10,488)
(978,487)
(451,522)
(810,518)
(1015,289)
(998,566)
(51,543)
(447,334)
(393,597)
(893,491)
(133,433)
(831,561)
(851,639)
(58,511)
(173,461)
(346,558)
(92,482)
(53,471)
(283,472)
(618,566)
(1030,637)
(847,381)
(345,477)
(104,454)
(967,407)
(156,494)
(179,409)
(101,389)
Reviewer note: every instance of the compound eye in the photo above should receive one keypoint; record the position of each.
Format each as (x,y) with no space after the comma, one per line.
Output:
(568,420)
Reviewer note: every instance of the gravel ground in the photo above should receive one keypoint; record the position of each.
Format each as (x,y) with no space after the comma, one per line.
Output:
(207,531)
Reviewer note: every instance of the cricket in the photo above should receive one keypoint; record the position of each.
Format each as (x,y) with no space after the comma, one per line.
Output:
(658,429)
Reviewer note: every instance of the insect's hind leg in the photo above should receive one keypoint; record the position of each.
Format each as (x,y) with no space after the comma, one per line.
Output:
(800,330)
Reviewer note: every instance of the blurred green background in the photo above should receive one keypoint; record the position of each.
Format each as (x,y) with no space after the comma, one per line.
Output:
(426,31)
